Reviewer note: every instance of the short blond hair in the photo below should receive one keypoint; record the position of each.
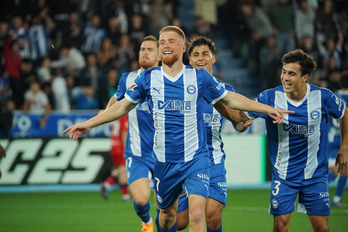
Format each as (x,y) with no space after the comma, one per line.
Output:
(174,29)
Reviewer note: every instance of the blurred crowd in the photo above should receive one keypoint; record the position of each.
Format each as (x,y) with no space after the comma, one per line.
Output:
(264,30)
(69,54)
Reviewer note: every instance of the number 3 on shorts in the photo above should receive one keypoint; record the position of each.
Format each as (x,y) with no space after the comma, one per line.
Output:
(276,188)
(157,183)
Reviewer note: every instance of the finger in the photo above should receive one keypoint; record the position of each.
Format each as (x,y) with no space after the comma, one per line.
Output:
(66,130)
(288,112)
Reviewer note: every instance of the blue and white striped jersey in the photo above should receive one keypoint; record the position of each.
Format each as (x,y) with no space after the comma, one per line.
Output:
(39,41)
(297,147)
(334,136)
(213,123)
(140,123)
(177,104)
(94,37)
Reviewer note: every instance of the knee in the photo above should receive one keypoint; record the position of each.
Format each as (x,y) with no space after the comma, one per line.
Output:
(280,226)
(196,216)
(214,222)
(323,228)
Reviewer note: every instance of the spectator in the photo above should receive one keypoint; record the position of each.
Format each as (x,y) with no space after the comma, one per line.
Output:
(160,15)
(91,74)
(93,35)
(73,33)
(43,71)
(118,8)
(304,22)
(106,54)
(20,34)
(86,99)
(13,61)
(37,102)
(71,60)
(281,15)
(113,30)
(125,51)
(3,34)
(137,31)
(39,31)
(5,90)
(60,93)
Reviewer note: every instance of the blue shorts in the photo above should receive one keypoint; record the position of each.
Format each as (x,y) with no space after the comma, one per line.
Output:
(217,187)
(137,168)
(170,177)
(313,197)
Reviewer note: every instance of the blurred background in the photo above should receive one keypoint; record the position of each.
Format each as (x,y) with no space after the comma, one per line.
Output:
(72,52)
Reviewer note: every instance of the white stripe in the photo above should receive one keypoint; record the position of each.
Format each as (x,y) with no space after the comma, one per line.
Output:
(282,160)
(216,140)
(158,115)
(190,118)
(314,103)
(133,124)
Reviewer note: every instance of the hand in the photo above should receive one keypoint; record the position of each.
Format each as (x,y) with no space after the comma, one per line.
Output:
(342,163)
(77,130)
(243,126)
(277,115)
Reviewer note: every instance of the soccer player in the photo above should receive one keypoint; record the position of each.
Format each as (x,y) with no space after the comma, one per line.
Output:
(202,56)
(297,146)
(139,142)
(175,94)
(334,142)
(118,173)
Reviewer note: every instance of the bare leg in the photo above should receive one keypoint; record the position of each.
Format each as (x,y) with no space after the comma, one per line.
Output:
(197,213)
(319,223)
(214,213)
(281,223)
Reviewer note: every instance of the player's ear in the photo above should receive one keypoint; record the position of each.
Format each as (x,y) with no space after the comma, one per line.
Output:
(213,59)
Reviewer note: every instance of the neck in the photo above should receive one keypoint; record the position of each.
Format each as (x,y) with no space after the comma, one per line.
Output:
(174,69)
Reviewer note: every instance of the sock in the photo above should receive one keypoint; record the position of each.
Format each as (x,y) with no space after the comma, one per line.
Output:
(143,211)
(341,184)
(124,189)
(331,176)
(157,219)
(110,180)
(171,229)
(218,230)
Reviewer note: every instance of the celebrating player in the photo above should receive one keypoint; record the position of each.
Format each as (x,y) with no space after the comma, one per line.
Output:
(297,146)
(202,55)
(140,136)
(175,94)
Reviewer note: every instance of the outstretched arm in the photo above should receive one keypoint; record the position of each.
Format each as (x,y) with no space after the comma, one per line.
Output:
(342,156)
(239,102)
(239,121)
(112,113)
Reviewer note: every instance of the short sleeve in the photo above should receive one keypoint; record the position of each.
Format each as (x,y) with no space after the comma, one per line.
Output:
(122,88)
(333,104)
(214,90)
(136,92)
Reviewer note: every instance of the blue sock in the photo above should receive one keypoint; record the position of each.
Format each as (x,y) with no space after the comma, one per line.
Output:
(341,184)
(157,220)
(171,229)
(143,211)
(331,176)
(218,230)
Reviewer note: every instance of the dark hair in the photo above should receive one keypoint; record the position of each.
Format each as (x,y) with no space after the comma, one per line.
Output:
(201,40)
(151,38)
(307,63)
(344,79)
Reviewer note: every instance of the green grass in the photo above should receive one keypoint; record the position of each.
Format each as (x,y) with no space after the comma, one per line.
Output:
(246,210)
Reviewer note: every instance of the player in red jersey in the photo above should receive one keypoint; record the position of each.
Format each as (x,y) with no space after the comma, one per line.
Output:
(118,172)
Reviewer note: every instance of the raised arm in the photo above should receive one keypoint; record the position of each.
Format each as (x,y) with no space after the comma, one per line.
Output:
(239,102)
(342,156)
(112,113)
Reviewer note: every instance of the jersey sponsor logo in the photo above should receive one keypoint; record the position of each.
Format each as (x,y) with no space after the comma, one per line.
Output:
(338,102)
(131,88)
(174,105)
(203,176)
(315,114)
(219,86)
(323,194)
(305,130)
(191,89)
(144,106)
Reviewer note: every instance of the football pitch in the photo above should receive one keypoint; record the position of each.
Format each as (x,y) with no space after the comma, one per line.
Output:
(246,210)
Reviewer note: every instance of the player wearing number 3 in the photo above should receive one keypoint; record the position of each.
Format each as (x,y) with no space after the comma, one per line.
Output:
(297,147)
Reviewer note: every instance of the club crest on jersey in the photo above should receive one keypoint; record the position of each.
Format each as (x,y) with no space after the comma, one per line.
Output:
(315,114)
(131,88)
(191,89)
